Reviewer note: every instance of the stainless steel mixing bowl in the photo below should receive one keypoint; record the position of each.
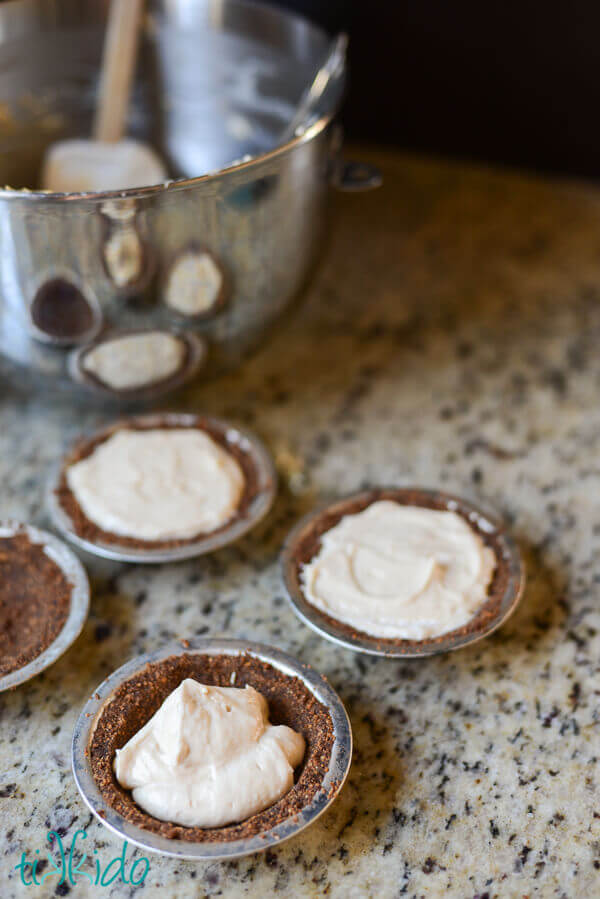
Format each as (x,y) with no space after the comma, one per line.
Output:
(213,256)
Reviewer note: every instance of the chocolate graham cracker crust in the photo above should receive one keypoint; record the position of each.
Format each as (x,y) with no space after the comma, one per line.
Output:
(87,530)
(309,545)
(134,702)
(35,600)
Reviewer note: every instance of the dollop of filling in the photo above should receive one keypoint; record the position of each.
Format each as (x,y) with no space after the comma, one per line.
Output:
(209,757)
(401,572)
(135,360)
(158,484)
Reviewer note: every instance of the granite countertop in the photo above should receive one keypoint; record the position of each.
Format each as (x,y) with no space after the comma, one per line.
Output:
(450,338)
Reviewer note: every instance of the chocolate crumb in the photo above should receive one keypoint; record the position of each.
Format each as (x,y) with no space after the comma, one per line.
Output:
(35,599)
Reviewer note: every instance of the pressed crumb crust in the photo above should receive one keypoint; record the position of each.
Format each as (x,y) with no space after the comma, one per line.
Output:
(309,546)
(35,599)
(134,702)
(86,528)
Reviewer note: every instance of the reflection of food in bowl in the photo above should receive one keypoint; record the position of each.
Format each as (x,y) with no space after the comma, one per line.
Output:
(137,362)
(124,257)
(195,284)
(126,253)
(60,312)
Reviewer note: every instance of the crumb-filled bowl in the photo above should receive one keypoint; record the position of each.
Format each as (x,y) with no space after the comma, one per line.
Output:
(297,696)
(503,593)
(260,480)
(53,640)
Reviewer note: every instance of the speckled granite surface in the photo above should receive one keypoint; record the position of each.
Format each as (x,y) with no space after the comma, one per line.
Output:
(451,337)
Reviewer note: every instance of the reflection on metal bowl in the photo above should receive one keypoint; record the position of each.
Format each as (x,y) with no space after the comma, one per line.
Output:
(139,365)
(217,82)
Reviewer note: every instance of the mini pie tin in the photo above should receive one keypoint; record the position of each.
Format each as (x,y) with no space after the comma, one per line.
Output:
(332,784)
(259,506)
(505,591)
(78,611)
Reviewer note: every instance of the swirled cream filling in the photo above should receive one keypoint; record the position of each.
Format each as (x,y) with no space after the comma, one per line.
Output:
(209,757)
(402,572)
(159,484)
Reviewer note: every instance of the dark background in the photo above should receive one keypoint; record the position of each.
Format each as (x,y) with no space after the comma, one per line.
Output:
(515,83)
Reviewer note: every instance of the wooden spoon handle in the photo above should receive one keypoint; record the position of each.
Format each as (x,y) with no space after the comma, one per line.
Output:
(118,67)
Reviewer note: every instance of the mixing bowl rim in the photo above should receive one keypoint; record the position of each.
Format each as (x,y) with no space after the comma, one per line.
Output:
(9,193)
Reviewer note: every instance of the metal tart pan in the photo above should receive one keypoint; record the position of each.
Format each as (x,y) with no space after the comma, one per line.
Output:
(79,606)
(206,543)
(487,619)
(333,780)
